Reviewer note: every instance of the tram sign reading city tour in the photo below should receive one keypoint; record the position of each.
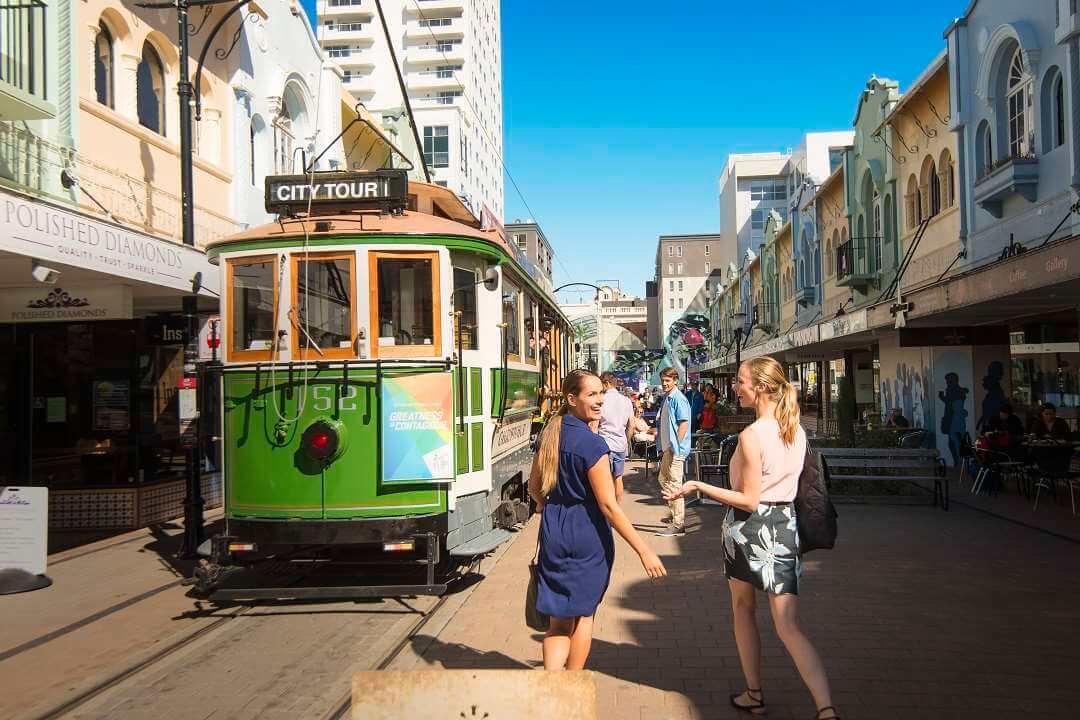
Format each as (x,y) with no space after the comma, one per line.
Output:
(385,190)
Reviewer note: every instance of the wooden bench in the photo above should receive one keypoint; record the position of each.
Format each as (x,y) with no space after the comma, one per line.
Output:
(889,465)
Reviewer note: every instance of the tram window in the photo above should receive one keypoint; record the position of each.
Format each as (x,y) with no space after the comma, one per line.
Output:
(465,302)
(512,317)
(531,326)
(406,305)
(252,302)
(323,299)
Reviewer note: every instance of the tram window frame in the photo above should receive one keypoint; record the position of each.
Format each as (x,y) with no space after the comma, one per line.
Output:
(307,353)
(509,288)
(471,339)
(405,351)
(232,353)
(531,351)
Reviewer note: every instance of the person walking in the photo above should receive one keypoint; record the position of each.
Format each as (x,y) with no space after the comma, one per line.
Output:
(673,429)
(615,425)
(571,483)
(761,542)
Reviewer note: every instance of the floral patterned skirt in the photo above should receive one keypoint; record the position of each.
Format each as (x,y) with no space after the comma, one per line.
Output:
(762,548)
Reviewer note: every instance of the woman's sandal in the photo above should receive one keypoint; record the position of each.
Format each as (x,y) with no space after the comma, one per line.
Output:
(758,703)
(832,716)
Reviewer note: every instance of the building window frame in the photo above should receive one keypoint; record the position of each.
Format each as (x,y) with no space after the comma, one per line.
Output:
(105,67)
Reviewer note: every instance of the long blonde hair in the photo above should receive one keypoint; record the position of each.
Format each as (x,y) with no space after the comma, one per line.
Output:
(549,442)
(766,371)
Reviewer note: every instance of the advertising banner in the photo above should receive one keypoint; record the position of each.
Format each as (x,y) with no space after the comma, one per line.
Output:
(417,441)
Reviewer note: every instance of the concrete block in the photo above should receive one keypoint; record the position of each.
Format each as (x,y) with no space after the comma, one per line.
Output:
(491,694)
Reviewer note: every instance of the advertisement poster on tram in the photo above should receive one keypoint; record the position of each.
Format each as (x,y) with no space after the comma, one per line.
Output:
(417,428)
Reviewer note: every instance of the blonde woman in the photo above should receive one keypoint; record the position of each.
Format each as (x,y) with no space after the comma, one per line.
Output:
(573,489)
(761,542)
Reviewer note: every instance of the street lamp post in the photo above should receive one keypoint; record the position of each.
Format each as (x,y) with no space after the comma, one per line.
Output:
(193,499)
(738,320)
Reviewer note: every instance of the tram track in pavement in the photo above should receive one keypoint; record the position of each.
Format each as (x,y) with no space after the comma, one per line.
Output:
(270,634)
(120,676)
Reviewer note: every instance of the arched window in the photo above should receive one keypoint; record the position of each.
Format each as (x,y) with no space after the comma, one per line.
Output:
(1059,111)
(948,179)
(1019,107)
(104,66)
(911,202)
(150,90)
(984,146)
(930,200)
(1052,106)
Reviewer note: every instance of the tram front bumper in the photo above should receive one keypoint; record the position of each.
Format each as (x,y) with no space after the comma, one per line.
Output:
(372,531)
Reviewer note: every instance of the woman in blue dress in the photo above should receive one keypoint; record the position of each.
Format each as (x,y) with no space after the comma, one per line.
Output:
(572,485)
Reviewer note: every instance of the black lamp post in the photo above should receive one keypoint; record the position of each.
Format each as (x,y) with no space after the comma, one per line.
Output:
(193,499)
(738,320)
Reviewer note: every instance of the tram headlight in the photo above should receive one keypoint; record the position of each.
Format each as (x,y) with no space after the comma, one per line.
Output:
(324,440)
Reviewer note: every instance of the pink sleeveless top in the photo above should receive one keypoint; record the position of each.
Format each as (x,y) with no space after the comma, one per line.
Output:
(781,464)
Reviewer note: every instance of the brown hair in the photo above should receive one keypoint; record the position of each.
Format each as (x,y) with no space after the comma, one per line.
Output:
(670,372)
(608,378)
(766,371)
(549,442)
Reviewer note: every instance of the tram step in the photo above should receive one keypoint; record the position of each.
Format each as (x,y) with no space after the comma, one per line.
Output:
(483,544)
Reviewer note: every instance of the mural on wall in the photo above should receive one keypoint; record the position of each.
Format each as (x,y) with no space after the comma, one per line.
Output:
(636,366)
(953,375)
(995,393)
(907,390)
(687,342)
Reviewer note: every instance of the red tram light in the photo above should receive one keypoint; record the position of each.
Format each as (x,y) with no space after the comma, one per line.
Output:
(323,440)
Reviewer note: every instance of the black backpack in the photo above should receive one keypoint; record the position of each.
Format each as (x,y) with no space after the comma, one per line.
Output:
(815,513)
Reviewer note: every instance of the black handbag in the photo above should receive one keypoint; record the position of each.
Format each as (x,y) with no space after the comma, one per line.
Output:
(535,619)
(814,511)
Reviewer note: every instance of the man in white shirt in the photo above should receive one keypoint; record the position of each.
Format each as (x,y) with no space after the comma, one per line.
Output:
(615,425)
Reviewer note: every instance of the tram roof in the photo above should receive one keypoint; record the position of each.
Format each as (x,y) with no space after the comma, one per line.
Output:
(371,224)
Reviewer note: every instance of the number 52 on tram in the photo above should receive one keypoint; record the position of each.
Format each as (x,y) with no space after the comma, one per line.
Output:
(383,360)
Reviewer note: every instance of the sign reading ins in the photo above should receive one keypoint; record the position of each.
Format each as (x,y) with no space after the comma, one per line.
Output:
(385,190)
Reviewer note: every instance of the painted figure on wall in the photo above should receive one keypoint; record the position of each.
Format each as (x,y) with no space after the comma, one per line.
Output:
(954,417)
(995,395)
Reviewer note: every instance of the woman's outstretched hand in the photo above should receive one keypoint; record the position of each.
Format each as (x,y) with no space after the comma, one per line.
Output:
(654,568)
(687,488)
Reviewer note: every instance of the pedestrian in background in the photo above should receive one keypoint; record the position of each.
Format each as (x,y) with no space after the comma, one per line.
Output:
(761,541)
(571,483)
(697,403)
(673,430)
(615,427)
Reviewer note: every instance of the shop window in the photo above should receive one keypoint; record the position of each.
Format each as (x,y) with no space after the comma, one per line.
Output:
(511,316)
(104,66)
(465,303)
(405,308)
(150,90)
(252,304)
(323,302)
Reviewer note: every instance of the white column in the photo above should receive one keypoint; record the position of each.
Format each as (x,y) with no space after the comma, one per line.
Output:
(124,86)
(92,33)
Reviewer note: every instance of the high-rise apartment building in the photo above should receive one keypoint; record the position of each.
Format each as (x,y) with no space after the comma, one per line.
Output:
(750,186)
(450,56)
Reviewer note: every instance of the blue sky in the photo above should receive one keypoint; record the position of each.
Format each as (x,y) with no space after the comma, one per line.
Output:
(619,116)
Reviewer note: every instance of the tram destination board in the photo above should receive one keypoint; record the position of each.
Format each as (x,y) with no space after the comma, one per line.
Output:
(385,190)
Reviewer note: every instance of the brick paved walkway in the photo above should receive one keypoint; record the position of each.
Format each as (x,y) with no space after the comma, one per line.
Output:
(918,614)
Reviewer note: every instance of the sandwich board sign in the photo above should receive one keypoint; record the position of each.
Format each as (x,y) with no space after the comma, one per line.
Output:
(23,538)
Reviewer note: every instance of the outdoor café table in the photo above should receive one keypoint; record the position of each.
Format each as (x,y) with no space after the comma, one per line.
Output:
(1052,460)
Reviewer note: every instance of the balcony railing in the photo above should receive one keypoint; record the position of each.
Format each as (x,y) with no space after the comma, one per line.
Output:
(24,58)
(858,260)
(34,164)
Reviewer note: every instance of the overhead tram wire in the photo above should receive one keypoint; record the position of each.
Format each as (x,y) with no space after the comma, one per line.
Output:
(483,128)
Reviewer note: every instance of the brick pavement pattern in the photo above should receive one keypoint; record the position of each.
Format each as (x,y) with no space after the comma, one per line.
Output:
(918,613)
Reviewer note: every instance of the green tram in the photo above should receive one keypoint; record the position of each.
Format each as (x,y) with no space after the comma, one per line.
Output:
(383,362)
